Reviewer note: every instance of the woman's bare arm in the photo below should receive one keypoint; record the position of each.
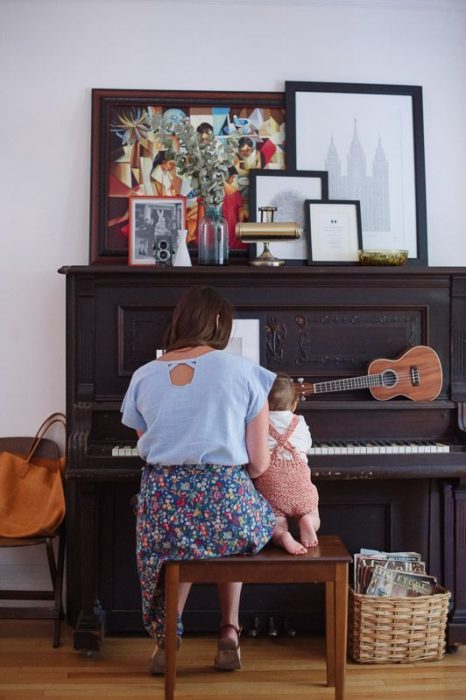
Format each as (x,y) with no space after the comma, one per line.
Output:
(257,431)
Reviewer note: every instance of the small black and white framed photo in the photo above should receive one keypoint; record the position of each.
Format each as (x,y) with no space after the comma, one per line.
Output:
(154,223)
(334,231)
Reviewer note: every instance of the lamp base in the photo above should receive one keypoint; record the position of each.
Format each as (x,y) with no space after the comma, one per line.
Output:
(266,259)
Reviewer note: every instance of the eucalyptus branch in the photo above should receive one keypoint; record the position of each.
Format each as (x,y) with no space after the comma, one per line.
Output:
(205,161)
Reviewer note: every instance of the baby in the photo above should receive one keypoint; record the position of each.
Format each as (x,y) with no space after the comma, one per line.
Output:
(287,482)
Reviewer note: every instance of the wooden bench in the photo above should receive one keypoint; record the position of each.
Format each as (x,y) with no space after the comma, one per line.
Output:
(327,563)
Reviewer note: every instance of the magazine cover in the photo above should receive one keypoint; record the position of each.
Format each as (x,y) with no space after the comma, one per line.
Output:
(364,567)
(391,582)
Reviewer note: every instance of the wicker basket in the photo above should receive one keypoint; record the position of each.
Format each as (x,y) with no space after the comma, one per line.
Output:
(397,630)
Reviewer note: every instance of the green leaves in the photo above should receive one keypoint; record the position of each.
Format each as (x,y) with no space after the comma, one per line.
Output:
(202,157)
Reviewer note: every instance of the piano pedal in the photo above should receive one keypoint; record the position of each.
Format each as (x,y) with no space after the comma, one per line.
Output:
(272,630)
(288,630)
(254,631)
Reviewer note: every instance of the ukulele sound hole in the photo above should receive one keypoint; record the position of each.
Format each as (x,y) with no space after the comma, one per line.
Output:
(389,378)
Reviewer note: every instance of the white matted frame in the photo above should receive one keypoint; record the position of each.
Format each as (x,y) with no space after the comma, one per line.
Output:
(334,231)
(154,223)
(245,338)
(370,139)
(287,190)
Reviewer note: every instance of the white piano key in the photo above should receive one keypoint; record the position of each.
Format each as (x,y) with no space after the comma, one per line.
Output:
(441,448)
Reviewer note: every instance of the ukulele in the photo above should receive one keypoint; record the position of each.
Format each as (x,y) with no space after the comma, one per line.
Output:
(416,374)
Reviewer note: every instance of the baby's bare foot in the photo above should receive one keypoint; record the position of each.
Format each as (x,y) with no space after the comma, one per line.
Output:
(309,536)
(289,544)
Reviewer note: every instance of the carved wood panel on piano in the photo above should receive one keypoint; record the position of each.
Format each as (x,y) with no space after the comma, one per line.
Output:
(321,324)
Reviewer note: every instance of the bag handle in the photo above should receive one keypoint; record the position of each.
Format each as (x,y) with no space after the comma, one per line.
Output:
(56,417)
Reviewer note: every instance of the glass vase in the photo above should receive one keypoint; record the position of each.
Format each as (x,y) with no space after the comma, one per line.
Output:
(213,237)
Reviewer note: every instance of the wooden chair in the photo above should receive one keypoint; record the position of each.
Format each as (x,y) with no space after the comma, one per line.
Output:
(327,563)
(47,448)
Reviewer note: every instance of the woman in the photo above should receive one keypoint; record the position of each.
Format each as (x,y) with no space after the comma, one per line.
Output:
(202,420)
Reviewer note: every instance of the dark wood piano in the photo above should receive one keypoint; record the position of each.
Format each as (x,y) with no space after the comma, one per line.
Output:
(318,323)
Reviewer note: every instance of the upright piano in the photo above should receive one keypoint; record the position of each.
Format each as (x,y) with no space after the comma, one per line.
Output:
(408,492)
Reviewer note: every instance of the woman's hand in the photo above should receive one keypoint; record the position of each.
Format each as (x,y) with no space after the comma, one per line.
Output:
(257,432)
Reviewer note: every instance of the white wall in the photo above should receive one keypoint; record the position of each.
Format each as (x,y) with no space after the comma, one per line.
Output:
(53,52)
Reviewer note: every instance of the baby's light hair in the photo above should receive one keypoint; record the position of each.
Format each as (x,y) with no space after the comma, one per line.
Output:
(284,394)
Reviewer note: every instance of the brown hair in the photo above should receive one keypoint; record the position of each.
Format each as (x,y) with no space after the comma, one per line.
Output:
(284,393)
(201,317)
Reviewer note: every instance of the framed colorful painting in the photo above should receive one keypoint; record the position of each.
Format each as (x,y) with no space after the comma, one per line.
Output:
(127,160)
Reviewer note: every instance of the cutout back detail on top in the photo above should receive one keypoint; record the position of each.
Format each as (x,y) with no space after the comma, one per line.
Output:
(181,371)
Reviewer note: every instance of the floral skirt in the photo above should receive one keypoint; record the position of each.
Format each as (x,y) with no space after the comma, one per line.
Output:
(193,512)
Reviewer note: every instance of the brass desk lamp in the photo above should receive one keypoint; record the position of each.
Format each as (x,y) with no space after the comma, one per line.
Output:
(266,231)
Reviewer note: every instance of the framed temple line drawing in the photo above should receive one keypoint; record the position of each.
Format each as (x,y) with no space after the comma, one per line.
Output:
(370,139)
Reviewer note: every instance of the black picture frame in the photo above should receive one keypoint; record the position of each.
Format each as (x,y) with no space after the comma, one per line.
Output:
(266,188)
(338,237)
(315,108)
(108,205)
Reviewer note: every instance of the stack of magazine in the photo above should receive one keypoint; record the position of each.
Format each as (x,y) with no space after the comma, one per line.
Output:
(401,574)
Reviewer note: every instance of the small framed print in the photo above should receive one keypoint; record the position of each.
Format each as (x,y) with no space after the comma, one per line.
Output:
(245,338)
(334,231)
(154,223)
(287,191)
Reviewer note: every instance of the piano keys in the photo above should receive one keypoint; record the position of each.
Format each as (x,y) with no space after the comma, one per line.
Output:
(382,447)
(124,451)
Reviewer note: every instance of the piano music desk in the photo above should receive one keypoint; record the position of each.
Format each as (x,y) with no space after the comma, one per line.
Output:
(327,563)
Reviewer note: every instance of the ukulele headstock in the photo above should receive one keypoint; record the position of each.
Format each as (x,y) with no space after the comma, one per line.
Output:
(305,389)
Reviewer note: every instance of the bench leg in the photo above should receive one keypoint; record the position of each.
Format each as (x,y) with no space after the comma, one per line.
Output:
(341,625)
(172,579)
(330,632)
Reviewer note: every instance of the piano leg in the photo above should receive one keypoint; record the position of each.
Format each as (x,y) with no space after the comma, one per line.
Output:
(455,559)
(89,629)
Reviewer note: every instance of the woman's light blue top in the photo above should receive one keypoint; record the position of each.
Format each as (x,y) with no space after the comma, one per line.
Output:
(202,422)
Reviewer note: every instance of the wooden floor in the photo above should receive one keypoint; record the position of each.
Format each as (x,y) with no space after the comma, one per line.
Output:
(273,668)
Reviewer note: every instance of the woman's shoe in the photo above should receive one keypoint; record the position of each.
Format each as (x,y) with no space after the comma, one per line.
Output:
(228,653)
(157,660)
